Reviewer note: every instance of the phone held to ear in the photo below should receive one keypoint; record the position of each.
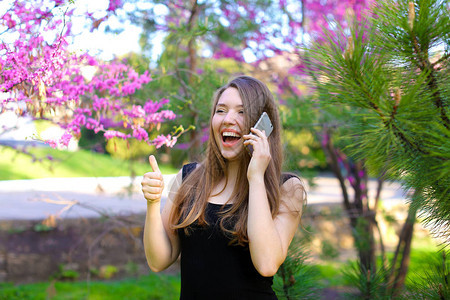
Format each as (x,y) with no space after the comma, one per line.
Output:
(263,123)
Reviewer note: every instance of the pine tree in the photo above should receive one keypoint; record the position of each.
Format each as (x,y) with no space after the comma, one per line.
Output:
(296,279)
(392,73)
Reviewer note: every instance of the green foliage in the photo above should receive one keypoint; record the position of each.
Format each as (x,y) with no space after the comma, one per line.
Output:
(300,121)
(140,64)
(394,84)
(361,236)
(330,274)
(9,292)
(434,281)
(370,284)
(328,251)
(296,279)
(15,230)
(90,140)
(107,271)
(42,228)
(131,268)
(389,218)
(128,150)
(66,272)
(304,150)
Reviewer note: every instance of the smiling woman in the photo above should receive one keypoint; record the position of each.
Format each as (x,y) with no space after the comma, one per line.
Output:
(228,123)
(233,233)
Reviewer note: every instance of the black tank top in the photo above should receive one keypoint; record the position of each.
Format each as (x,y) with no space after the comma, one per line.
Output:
(211,269)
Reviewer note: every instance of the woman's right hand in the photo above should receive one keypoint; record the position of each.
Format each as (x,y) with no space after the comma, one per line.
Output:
(153,182)
(161,244)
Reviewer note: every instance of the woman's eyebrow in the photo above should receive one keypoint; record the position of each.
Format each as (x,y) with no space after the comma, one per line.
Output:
(224,105)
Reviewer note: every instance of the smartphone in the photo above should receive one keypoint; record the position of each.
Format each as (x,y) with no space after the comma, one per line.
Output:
(263,123)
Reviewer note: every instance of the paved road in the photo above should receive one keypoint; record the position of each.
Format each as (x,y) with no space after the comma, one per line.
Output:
(87,197)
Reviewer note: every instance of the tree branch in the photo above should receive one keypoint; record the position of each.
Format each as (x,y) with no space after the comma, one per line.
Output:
(425,66)
(389,122)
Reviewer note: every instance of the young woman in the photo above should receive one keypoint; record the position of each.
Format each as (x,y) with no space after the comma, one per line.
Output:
(232,216)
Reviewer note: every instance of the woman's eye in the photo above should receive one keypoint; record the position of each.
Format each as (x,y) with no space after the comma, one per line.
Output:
(219,111)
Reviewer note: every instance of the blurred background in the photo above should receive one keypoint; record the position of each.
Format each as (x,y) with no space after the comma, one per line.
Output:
(89,89)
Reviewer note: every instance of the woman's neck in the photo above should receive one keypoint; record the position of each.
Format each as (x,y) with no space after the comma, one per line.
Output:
(232,171)
(223,191)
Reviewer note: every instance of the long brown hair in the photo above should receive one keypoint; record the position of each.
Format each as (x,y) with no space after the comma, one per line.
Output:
(192,197)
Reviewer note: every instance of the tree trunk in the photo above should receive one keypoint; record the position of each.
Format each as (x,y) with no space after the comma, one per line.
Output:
(398,275)
(195,136)
(360,215)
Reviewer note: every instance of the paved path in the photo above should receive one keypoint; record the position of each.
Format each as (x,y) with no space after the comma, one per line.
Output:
(87,197)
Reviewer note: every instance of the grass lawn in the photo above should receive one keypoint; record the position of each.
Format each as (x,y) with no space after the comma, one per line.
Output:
(15,165)
(424,250)
(163,287)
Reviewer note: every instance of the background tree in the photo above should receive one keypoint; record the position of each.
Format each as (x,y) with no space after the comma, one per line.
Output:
(395,79)
(391,73)
(41,79)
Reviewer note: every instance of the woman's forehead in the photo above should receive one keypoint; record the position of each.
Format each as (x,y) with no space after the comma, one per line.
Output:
(230,97)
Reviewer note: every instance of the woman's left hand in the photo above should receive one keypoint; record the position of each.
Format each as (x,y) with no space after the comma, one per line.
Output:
(261,153)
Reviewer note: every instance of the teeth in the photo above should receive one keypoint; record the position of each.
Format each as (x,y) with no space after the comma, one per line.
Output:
(229,133)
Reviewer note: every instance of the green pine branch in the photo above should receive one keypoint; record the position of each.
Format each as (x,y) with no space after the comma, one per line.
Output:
(398,99)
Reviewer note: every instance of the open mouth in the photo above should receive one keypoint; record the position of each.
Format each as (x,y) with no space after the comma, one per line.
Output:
(230,138)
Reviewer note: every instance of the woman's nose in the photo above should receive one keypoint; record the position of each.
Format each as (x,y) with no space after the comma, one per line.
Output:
(230,118)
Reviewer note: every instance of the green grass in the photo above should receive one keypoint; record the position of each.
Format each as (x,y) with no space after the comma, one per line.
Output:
(331,274)
(423,249)
(153,286)
(15,165)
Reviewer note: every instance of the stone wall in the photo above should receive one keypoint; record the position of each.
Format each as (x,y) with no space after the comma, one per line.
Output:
(31,252)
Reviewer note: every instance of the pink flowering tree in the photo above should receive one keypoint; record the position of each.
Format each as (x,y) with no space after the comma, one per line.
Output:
(40,78)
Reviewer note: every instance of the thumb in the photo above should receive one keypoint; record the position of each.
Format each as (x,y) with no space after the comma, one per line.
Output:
(153,163)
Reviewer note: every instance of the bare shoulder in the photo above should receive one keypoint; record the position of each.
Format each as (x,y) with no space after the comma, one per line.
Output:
(173,185)
(293,196)
(177,180)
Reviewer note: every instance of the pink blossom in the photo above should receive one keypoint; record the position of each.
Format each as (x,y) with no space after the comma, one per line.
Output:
(8,20)
(140,134)
(114,5)
(225,51)
(362,186)
(65,139)
(351,179)
(45,75)
(136,112)
(162,140)
(109,134)
(51,143)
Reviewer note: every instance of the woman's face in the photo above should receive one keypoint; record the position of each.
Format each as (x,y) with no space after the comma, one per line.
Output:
(228,124)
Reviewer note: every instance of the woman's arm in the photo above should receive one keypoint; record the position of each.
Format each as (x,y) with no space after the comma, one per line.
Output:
(269,238)
(161,244)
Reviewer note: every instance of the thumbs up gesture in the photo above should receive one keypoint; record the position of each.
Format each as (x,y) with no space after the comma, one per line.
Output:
(153,182)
